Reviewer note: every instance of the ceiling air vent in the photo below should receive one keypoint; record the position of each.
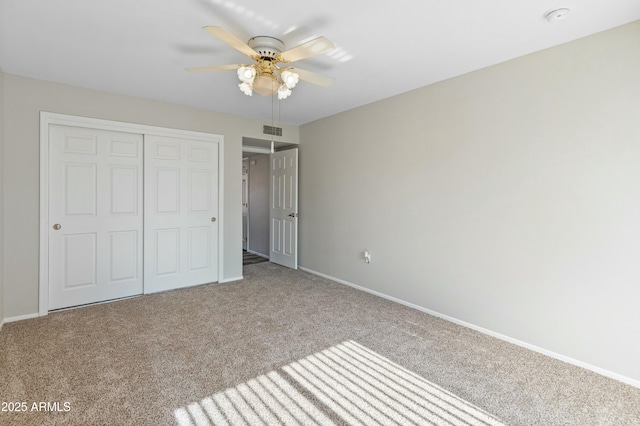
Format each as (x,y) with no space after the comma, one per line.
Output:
(271,130)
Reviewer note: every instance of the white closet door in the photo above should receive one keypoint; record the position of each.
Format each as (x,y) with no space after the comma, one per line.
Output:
(181,209)
(95,215)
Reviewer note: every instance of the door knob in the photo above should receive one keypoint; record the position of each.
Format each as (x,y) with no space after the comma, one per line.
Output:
(213,219)
(293,215)
(57,226)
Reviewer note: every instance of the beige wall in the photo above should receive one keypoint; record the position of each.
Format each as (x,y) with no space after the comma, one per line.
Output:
(25,98)
(2,159)
(507,198)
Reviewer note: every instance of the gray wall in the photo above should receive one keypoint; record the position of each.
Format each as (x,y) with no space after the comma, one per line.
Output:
(2,159)
(24,98)
(259,204)
(507,198)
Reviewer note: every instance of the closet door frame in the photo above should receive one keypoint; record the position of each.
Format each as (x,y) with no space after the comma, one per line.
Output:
(49,118)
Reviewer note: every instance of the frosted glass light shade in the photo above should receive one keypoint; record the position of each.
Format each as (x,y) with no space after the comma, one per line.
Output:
(283,91)
(289,78)
(246,74)
(265,85)
(246,88)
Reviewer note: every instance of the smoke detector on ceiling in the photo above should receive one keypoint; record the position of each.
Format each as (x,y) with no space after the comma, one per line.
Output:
(557,15)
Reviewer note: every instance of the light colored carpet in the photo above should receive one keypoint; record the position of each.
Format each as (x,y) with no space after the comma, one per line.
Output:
(287,347)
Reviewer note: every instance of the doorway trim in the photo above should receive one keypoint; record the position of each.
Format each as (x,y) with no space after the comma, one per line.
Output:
(49,118)
(245,202)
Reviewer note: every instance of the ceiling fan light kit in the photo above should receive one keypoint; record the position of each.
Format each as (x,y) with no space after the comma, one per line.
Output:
(265,77)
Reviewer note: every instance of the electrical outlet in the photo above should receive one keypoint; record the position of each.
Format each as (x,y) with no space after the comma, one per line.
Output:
(367,256)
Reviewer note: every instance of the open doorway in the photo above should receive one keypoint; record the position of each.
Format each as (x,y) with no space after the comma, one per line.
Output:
(255,207)
(245,202)
(265,234)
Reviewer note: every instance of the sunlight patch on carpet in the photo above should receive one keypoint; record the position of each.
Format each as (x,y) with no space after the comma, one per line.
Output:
(349,382)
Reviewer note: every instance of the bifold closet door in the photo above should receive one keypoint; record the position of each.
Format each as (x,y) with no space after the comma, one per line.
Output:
(181,210)
(95,215)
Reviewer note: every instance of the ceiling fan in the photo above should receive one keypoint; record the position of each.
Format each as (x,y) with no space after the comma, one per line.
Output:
(270,73)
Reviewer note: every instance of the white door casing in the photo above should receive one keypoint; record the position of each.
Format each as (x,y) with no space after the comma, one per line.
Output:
(181,213)
(284,208)
(245,204)
(95,217)
(121,172)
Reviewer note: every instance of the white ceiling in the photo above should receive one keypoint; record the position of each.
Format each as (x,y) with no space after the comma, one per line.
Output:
(141,47)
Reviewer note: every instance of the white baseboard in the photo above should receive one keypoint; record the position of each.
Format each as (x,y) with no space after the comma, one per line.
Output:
(21,317)
(595,369)
(266,256)
(228,280)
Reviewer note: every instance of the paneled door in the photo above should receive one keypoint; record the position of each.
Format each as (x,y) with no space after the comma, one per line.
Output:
(181,211)
(95,215)
(284,208)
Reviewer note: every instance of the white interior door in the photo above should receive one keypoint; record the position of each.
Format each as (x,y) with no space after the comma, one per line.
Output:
(284,208)
(181,210)
(95,215)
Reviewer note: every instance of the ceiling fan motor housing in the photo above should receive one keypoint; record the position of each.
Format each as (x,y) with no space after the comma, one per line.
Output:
(267,47)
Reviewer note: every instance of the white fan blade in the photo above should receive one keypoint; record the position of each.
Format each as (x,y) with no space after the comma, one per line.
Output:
(314,47)
(312,77)
(214,68)
(231,40)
